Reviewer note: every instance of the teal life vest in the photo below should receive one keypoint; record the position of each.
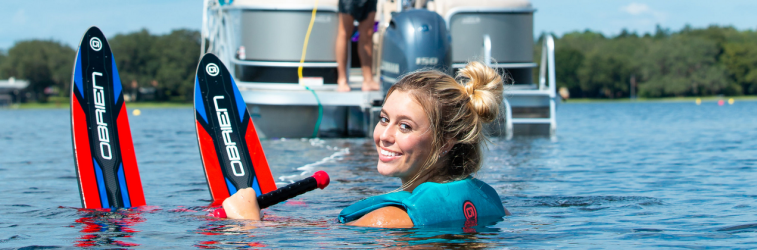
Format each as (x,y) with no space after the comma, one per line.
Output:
(464,202)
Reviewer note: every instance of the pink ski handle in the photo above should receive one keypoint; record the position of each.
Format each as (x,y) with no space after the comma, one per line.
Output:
(319,180)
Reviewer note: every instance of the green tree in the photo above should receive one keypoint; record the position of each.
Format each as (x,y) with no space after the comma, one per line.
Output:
(682,65)
(661,33)
(177,56)
(2,59)
(591,65)
(169,59)
(740,59)
(133,57)
(567,62)
(608,67)
(44,63)
(719,35)
(690,62)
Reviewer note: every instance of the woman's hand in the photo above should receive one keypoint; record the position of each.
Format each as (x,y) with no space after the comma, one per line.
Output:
(243,205)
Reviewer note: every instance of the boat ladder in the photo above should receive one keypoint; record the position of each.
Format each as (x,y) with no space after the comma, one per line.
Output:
(531,97)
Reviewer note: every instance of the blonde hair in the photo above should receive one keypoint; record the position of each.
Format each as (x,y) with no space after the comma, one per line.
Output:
(457,109)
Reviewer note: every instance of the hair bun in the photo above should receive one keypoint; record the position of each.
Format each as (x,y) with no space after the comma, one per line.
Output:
(484,86)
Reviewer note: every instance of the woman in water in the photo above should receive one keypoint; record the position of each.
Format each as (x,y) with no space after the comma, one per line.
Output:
(430,135)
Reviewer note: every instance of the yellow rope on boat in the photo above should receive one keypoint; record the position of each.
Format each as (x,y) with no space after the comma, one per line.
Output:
(299,71)
(307,37)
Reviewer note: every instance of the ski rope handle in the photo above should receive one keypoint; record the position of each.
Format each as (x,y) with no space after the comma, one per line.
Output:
(319,180)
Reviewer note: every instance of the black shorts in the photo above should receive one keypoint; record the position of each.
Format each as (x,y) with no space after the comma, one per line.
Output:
(358,9)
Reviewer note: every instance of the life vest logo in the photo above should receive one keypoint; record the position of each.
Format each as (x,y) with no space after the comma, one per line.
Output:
(96,44)
(470,213)
(212,69)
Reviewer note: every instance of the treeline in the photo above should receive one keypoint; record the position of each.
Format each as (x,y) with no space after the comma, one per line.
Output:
(43,63)
(691,62)
(165,64)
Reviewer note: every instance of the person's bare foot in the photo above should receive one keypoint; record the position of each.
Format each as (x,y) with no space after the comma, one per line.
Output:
(370,85)
(343,87)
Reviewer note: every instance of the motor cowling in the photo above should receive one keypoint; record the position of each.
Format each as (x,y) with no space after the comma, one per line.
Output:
(415,39)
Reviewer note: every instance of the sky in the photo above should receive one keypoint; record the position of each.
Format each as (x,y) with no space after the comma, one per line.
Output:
(66,20)
(641,16)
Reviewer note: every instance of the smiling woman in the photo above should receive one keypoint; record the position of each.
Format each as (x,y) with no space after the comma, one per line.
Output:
(430,135)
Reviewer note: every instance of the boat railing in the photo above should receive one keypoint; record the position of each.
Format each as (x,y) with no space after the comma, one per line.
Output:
(548,58)
(548,61)
(215,31)
(546,88)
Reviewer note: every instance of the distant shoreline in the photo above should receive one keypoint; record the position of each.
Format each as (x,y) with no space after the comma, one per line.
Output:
(129,105)
(150,105)
(663,99)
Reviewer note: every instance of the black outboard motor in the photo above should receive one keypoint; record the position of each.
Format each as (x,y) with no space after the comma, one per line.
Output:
(415,39)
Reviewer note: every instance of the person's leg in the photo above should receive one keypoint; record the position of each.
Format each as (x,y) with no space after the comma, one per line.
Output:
(346,25)
(365,49)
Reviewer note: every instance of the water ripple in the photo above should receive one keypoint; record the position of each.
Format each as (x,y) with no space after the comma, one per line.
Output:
(635,175)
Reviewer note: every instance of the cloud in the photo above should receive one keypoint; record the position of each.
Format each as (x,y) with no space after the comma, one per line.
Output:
(19,18)
(636,9)
(644,14)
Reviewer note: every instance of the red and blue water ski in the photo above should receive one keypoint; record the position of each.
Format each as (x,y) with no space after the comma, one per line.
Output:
(106,166)
(229,145)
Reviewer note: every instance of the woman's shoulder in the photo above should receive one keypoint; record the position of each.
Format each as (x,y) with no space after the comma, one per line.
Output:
(388,217)
(367,205)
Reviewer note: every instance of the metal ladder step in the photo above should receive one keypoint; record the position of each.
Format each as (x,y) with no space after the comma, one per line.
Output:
(533,97)
(531,120)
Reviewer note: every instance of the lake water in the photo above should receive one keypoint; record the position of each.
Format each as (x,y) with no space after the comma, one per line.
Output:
(618,175)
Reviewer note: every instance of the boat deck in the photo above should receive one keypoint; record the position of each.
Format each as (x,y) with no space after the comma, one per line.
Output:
(296,95)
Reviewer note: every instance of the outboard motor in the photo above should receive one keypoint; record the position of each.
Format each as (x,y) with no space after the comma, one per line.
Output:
(415,39)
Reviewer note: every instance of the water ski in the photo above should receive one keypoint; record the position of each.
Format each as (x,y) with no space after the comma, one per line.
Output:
(106,167)
(231,152)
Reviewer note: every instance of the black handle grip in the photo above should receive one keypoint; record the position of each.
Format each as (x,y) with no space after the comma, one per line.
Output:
(287,192)
(319,180)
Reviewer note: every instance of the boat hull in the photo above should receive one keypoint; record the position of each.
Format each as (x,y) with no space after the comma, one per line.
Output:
(299,121)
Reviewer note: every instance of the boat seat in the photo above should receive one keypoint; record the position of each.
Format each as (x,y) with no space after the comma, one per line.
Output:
(443,7)
(284,4)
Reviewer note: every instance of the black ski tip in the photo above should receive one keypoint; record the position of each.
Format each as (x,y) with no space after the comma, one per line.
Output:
(210,65)
(95,41)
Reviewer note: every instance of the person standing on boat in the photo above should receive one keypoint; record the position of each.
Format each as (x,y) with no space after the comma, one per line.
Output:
(364,11)
(430,135)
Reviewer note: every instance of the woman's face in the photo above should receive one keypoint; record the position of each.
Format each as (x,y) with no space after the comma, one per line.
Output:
(403,137)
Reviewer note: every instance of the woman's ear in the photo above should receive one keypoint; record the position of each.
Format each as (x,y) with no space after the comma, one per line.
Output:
(448,144)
